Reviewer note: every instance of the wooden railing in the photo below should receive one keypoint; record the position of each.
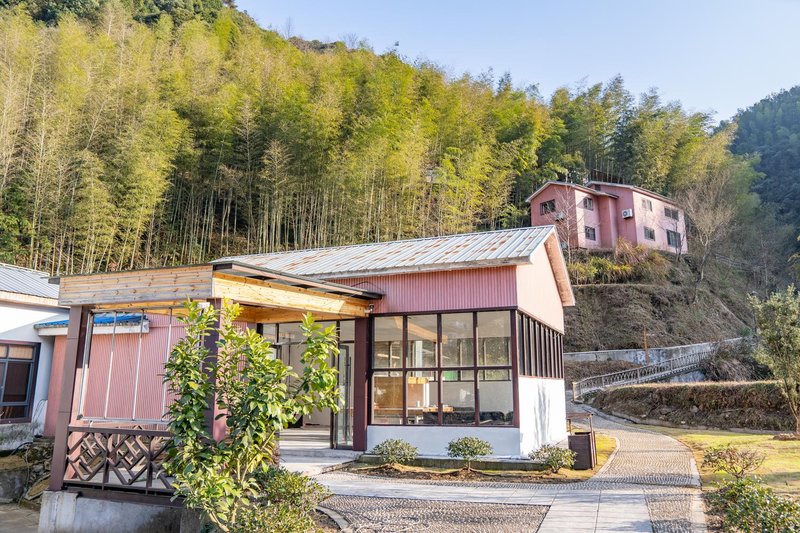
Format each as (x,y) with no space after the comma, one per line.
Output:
(643,374)
(127,459)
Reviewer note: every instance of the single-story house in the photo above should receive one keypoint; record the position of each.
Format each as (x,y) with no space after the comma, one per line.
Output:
(440,337)
(26,298)
(594,216)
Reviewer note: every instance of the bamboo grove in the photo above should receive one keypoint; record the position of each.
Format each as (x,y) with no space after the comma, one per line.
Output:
(130,144)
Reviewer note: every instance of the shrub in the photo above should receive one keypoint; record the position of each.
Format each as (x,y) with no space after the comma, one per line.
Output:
(468,449)
(747,505)
(554,457)
(733,461)
(395,451)
(286,502)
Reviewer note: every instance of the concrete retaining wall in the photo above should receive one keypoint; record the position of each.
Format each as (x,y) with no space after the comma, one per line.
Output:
(66,512)
(655,355)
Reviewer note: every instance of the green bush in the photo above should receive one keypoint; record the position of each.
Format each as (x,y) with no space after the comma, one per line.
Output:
(280,486)
(395,451)
(554,457)
(468,449)
(733,461)
(746,505)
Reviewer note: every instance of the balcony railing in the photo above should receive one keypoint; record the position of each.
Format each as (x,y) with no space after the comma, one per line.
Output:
(128,459)
(643,374)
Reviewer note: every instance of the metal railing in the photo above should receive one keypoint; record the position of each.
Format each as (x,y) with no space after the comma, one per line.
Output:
(118,458)
(642,374)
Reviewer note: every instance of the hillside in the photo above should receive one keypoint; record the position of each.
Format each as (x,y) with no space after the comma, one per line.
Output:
(616,315)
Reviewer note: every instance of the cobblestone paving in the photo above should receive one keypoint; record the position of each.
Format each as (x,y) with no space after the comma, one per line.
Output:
(367,515)
(646,463)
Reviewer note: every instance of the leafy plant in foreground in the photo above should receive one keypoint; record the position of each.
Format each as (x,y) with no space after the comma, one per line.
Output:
(468,449)
(396,451)
(225,479)
(733,461)
(554,457)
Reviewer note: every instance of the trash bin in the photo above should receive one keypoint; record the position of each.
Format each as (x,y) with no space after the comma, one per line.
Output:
(582,443)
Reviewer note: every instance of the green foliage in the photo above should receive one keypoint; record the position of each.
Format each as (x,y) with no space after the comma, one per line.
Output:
(224,479)
(733,461)
(554,457)
(778,320)
(468,449)
(397,451)
(746,505)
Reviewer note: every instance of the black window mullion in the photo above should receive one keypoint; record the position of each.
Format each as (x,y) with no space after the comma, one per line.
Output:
(439,372)
(404,377)
(475,367)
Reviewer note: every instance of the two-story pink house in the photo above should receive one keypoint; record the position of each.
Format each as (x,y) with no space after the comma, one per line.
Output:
(595,216)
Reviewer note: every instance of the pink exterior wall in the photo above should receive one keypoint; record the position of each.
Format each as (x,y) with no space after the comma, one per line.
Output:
(565,201)
(587,218)
(537,291)
(607,209)
(441,291)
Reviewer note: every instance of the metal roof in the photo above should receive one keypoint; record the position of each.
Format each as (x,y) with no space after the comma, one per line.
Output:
(100,319)
(468,250)
(568,184)
(21,280)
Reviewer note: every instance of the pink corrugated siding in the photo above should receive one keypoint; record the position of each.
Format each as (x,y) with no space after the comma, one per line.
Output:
(441,291)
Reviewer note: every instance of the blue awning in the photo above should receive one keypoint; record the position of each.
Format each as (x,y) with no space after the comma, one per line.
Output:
(100,319)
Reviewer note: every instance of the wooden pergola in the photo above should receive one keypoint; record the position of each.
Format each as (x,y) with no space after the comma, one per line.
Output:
(127,458)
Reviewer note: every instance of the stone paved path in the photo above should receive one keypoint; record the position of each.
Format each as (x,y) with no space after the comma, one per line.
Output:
(650,484)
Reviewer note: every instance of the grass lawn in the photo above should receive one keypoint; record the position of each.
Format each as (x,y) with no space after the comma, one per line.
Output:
(605,447)
(781,469)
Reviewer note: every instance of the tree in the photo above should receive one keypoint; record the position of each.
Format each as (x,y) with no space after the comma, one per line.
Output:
(710,209)
(221,479)
(778,321)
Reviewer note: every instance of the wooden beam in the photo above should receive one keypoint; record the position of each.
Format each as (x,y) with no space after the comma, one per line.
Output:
(275,316)
(266,294)
(135,286)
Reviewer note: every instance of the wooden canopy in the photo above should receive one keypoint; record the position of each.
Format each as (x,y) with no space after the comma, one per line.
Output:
(265,295)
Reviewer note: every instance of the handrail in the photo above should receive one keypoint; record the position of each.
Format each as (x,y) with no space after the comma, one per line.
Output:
(642,374)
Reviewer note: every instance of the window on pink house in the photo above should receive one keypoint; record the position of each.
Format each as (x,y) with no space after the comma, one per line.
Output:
(673,239)
(669,212)
(647,204)
(590,233)
(547,207)
(588,203)
(650,234)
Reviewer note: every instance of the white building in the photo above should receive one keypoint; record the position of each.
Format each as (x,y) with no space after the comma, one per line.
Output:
(26,298)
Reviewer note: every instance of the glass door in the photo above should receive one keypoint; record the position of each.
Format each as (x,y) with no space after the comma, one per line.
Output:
(342,427)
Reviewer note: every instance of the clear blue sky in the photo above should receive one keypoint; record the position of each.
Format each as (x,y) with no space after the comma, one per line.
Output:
(712,55)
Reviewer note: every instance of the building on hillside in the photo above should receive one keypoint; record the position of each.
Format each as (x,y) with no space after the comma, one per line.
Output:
(439,338)
(26,298)
(595,216)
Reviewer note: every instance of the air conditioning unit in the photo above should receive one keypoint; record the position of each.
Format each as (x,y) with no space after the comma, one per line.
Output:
(560,215)
(627,213)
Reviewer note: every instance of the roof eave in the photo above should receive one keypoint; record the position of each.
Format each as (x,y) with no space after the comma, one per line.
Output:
(417,269)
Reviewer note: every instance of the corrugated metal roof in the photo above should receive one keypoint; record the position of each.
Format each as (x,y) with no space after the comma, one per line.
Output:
(26,281)
(100,319)
(488,248)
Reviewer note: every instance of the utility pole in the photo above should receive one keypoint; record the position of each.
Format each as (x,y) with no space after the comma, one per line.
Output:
(646,351)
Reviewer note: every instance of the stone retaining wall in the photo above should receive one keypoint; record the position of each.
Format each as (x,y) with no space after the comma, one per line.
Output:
(654,355)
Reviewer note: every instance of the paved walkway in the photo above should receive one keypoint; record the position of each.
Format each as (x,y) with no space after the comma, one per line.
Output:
(16,519)
(650,484)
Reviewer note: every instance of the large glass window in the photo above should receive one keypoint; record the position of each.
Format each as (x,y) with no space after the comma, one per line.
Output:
(422,350)
(540,350)
(439,359)
(422,397)
(458,398)
(388,342)
(17,365)
(496,398)
(387,398)
(458,347)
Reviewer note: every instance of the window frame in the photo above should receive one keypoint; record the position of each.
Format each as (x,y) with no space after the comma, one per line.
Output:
(541,349)
(670,211)
(547,207)
(588,203)
(677,235)
(33,363)
(647,204)
(652,234)
(439,370)
(592,230)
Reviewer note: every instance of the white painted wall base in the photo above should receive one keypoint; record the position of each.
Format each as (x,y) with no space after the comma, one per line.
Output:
(432,440)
